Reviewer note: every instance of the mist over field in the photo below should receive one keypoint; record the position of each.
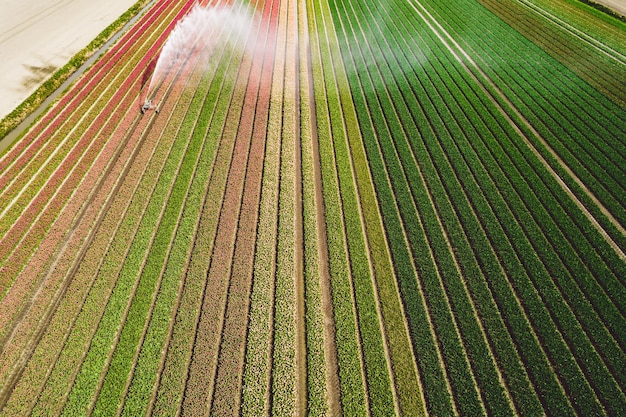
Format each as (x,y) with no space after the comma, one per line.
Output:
(203,30)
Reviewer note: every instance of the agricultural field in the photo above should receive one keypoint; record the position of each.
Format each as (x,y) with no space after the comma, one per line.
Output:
(325,207)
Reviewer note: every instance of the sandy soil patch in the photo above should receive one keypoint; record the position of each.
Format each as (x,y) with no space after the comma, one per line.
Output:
(618,5)
(39,36)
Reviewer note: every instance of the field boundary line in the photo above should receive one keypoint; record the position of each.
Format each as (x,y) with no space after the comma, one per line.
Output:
(528,125)
(93,230)
(73,169)
(81,84)
(85,118)
(330,348)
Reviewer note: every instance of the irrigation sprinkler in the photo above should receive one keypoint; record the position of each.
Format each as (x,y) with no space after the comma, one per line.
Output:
(147,105)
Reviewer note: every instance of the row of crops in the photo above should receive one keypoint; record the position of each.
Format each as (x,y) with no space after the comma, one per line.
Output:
(404,207)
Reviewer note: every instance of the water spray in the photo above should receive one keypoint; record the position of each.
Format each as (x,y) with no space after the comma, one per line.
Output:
(195,37)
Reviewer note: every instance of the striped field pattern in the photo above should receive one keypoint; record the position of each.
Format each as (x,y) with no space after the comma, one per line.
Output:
(336,207)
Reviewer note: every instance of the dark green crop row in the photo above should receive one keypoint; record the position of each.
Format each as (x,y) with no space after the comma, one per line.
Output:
(553,99)
(547,260)
(557,309)
(566,284)
(502,347)
(574,240)
(576,269)
(596,65)
(435,293)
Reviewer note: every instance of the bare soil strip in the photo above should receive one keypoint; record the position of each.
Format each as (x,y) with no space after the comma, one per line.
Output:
(330,348)
(292,81)
(324,37)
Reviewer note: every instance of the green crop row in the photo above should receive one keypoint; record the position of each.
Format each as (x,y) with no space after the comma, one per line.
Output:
(400,361)
(369,279)
(602,26)
(316,360)
(576,269)
(588,147)
(454,354)
(501,344)
(536,248)
(429,366)
(434,111)
(482,363)
(169,395)
(524,223)
(588,61)
(574,240)
(198,119)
